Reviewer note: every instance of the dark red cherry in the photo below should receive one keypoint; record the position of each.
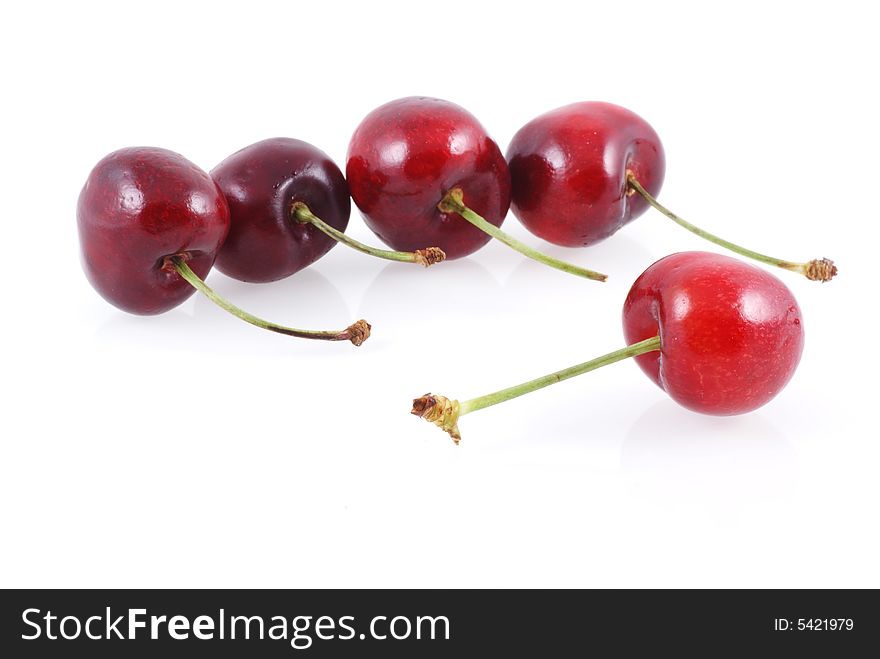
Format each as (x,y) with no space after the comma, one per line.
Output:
(261,182)
(731,334)
(406,155)
(140,205)
(718,335)
(569,169)
(582,171)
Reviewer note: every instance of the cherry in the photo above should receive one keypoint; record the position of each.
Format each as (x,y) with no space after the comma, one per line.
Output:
(288,205)
(718,335)
(582,171)
(424,171)
(150,225)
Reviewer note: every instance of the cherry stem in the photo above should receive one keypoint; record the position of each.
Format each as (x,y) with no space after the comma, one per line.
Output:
(426,257)
(453,202)
(357,333)
(815,270)
(445,412)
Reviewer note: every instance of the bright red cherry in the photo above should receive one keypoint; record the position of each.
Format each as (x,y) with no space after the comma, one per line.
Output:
(424,171)
(150,224)
(289,205)
(582,171)
(718,335)
(731,334)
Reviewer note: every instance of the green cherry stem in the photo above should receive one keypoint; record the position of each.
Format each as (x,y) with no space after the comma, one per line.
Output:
(445,412)
(453,202)
(357,333)
(426,257)
(815,270)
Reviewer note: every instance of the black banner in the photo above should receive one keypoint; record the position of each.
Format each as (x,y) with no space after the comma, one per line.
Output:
(437,623)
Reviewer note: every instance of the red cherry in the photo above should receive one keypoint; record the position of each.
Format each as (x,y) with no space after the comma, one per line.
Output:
(731,334)
(582,171)
(569,166)
(139,206)
(718,335)
(424,171)
(403,159)
(289,205)
(150,225)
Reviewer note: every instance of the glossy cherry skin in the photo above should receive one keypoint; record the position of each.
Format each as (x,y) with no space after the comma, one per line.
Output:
(569,168)
(731,334)
(261,182)
(403,159)
(138,206)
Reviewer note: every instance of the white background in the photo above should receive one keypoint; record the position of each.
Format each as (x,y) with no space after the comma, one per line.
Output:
(191,449)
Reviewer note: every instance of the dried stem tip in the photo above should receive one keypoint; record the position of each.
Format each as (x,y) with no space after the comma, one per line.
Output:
(429,256)
(820,270)
(358,332)
(440,411)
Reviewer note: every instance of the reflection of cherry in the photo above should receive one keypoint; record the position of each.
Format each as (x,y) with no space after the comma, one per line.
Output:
(424,172)
(582,171)
(288,205)
(150,224)
(718,335)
